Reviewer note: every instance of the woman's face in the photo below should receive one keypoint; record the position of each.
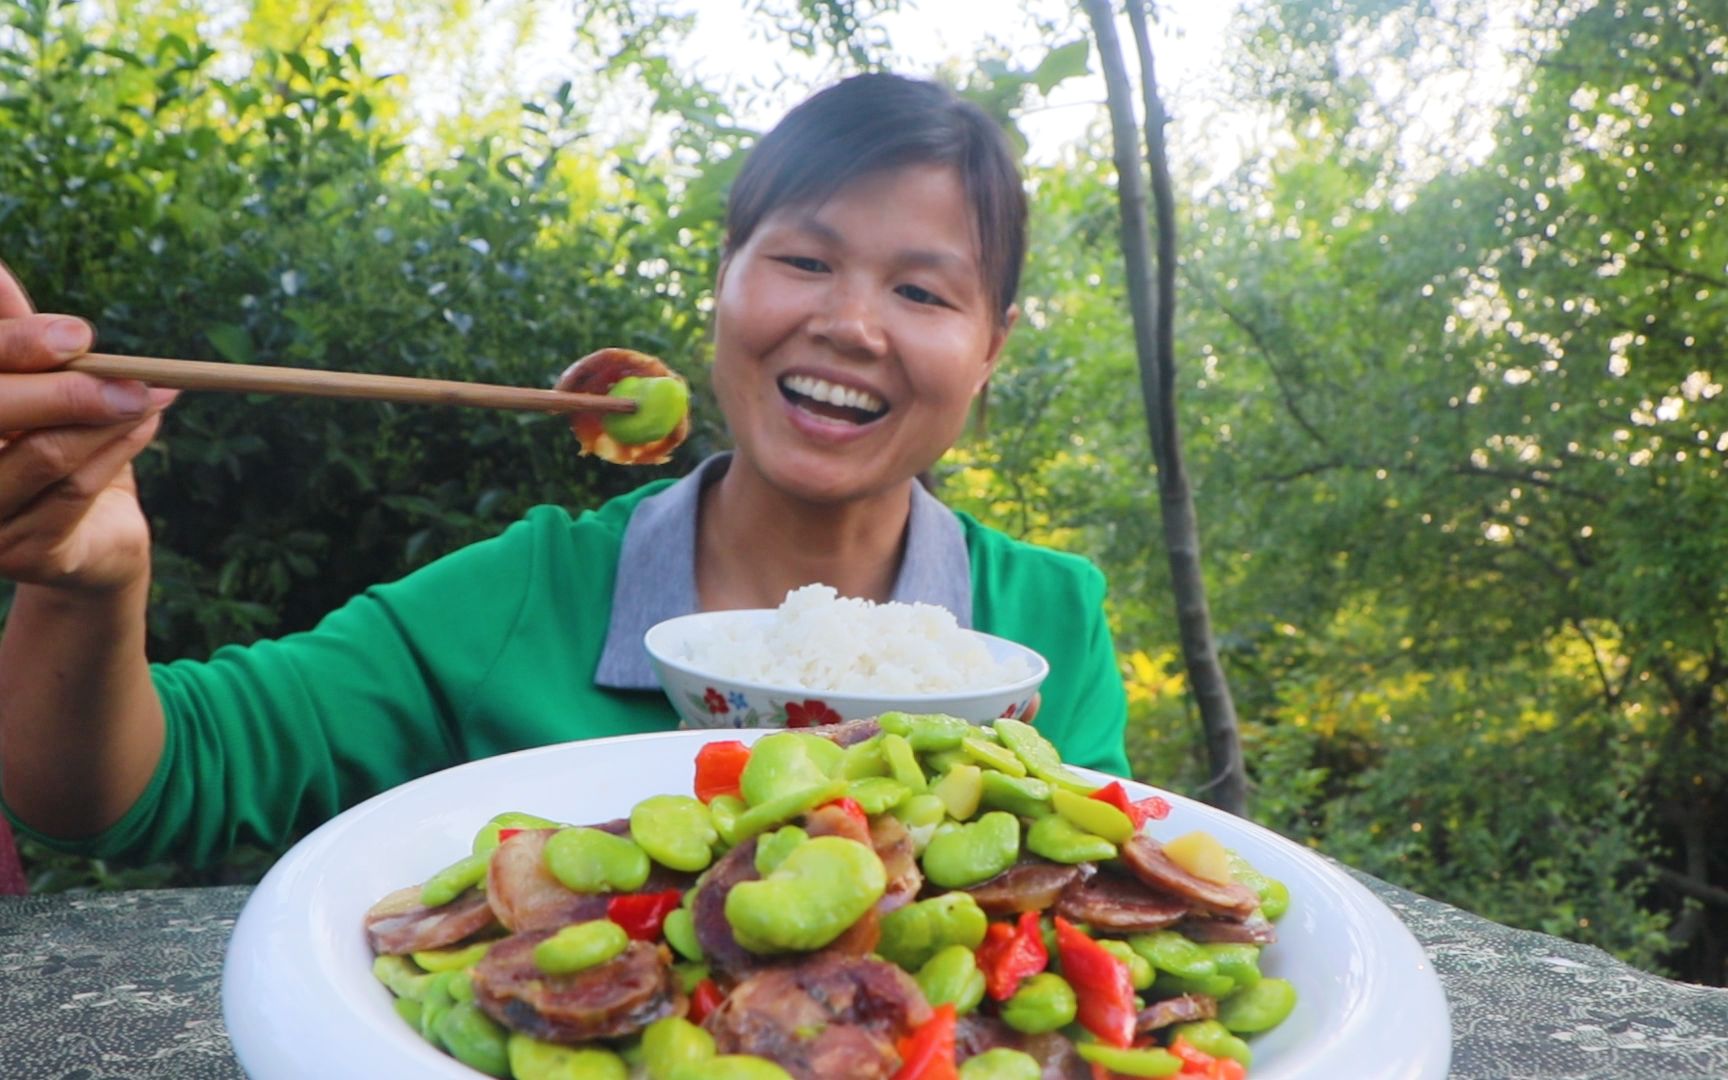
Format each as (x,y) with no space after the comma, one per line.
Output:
(852,336)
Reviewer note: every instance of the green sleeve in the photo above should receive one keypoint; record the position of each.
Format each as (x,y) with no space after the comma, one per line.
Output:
(1053,602)
(267,740)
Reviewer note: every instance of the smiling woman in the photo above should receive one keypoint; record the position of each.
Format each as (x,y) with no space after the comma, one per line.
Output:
(873,252)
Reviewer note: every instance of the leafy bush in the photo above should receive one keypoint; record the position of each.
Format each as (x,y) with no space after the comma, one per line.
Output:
(275,218)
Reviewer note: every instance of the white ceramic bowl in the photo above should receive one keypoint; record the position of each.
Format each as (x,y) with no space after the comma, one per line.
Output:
(299,999)
(709,699)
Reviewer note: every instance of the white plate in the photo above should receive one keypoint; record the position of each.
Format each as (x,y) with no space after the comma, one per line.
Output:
(299,998)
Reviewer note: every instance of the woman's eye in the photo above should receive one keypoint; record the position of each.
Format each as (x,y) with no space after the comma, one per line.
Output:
(803,262)
(920,295)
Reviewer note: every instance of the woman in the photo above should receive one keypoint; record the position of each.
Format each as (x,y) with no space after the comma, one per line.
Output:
(874,241)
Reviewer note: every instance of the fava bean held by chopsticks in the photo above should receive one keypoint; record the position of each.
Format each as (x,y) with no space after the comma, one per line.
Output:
(625,407)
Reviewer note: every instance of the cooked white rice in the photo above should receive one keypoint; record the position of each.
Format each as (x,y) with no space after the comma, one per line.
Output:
(822,641)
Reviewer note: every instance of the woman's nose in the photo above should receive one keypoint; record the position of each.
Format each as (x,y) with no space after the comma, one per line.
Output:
(850,322)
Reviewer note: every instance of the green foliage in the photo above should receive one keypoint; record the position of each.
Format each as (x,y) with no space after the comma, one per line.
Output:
(272,217)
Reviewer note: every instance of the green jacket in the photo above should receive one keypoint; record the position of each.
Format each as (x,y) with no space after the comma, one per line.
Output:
(492,649)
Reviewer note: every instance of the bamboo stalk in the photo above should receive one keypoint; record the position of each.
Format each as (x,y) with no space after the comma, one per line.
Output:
(259,379)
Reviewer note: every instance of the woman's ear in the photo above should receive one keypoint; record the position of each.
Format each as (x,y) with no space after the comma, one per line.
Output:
(998,338)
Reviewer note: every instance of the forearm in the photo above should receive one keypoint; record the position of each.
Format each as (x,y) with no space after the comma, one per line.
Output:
(81,729)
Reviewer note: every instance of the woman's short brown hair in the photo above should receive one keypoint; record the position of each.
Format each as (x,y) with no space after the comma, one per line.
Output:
(869,123)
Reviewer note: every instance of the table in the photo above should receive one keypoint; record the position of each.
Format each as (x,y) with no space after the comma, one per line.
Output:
(114,985)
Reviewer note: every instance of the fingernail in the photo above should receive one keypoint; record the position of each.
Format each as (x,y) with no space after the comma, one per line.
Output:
(126,398)
(67,337)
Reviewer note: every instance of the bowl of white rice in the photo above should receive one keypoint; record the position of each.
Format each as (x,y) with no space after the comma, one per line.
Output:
(821,658)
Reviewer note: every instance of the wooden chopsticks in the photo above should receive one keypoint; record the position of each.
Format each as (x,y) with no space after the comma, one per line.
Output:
(259,379)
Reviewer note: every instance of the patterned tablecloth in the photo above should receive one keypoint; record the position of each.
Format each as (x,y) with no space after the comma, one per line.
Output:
(128,985)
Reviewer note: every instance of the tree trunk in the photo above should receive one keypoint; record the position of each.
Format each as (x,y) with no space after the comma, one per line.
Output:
(1152,301)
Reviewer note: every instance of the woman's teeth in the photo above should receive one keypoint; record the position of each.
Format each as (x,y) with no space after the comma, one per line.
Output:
(831,400)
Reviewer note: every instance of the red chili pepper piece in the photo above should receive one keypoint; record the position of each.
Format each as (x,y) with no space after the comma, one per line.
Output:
(1113,794)
(1151,808)
(1198,1064)
(1010,954)
(505,834)
(704,1000)
(643,914)
(1155,807)
(1100,982)
(928,1053)
(852,808)
(718,767)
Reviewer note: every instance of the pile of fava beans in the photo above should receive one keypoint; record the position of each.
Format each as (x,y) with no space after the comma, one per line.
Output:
(909,898)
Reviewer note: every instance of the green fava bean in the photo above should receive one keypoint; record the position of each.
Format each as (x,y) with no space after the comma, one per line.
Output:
(932,732)
(580,946)
(1027,796)
(680,932)
(454,880)
(486,840)
(724,811)
(475,1039)
(825,885)
(403,978)
(732,1067)
(1149,1062)
(1096,817)
(1211,985)
(461,986)
(1275,901)
(675,830)
(951,977)
(691,975)
(1274,895)
(960,790)
(938,762)
(435,1001)
(1258,1008)
(911,935)
(783,808)
(921,810)
(1060,840)
(903,763)
(456,959)
(786,763)
(673,1043)
(973,853)
(877,794)
(1001,1064)
(863,760)
(1211,1037)
(1039,756)
(662,402)
(590,861)
(772,848)
(408,1009)
(533,1059)
(1240,962)
(1169,951)
(1043,1003)
(1140,973)
(993,756)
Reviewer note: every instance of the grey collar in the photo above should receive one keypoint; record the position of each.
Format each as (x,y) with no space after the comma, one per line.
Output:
(657,570)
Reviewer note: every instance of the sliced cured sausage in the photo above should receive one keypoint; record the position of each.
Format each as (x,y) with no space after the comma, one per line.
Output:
(829,1016)
(1118,904)
(1145,857)
(401,924)
(619,997)
(1028,885)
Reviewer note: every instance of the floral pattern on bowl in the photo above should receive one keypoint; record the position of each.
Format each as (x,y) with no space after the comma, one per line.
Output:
(708,700)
